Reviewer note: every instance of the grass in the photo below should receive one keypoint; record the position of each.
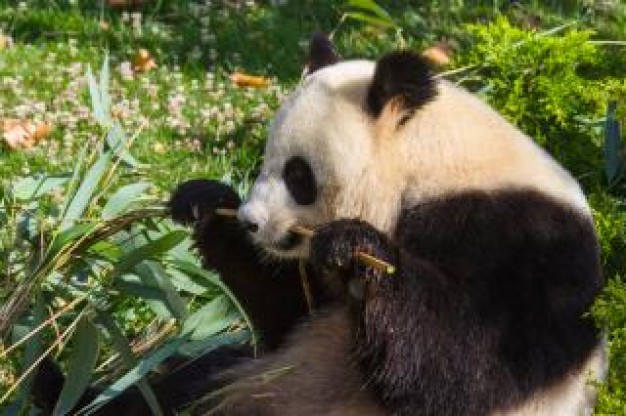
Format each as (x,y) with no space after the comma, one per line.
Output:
(194,122)
(189,120)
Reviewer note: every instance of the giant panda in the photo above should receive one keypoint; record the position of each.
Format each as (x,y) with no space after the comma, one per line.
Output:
(496,258)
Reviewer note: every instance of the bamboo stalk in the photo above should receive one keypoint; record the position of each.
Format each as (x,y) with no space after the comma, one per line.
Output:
(306,287)
(41,326)
(366,259)
(34,365)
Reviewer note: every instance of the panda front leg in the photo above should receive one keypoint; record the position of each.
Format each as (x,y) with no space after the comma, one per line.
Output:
(402,336)
(269,292)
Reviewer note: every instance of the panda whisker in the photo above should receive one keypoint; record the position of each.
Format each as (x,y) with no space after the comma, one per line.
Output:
(362,257)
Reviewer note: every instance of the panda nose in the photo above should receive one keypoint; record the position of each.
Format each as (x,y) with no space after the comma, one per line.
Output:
(252,217)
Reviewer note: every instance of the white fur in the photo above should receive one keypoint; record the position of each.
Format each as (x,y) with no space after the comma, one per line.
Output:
(575,396)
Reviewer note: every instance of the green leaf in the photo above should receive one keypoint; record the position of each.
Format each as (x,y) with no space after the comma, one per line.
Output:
(373,13)
(81,199)
(31,353)
(75,180)
(117,141)
(193,348)
(81,365)
(63,238)
(133,285)
(154,272)
(149,250)
(136,374)
(33,187)
(374,20)
(94,93)
(123,198)
(370,6)
(613,159)
(185,283)
(193,269)
(97,103)
(210,319)
(121,344)
(105,99)
(196,270)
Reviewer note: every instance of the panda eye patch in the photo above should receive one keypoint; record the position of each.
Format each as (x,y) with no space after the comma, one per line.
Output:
(300,181)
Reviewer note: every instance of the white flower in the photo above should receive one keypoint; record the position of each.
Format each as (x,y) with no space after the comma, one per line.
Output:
(126,70)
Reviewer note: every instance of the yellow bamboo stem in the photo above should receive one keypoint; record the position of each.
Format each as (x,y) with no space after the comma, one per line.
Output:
(41,326)
(375,262)
(366,259)
(34,365)
(306,287)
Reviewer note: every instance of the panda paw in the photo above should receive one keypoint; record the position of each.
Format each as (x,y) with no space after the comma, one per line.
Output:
(334,248)
(195,201)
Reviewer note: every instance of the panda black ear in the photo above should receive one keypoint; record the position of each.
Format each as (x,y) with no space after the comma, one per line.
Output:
(321,53)
(404,77)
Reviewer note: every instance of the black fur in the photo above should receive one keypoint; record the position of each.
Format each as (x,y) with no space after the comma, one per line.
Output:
(300,181)
(332,253)
(486,308)
(269,292)
(321,53)
(196,199)
(405,76)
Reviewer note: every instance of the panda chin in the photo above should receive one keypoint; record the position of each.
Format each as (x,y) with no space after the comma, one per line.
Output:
(290,246)
(289,242)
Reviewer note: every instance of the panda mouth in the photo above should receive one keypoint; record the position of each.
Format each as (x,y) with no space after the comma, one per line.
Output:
(288,242)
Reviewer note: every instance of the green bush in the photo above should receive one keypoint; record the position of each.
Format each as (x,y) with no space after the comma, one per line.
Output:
(555,85)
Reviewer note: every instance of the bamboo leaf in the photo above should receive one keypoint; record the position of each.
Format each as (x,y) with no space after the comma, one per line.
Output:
(75,180)
(33,187)
(63,238)
(210,319)
(81,365)
(117,142)
(149,250)
(133,285)
(122,346)
(31,353)
(123,198)
(135,375)
(105,99)
(185,283)
(152,271)
(193,269)
(194,348)
(81,199)
(96,99)
(196,270)
(100,100)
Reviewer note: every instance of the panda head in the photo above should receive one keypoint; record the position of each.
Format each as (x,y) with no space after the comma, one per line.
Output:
(326,154)
(362,139)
